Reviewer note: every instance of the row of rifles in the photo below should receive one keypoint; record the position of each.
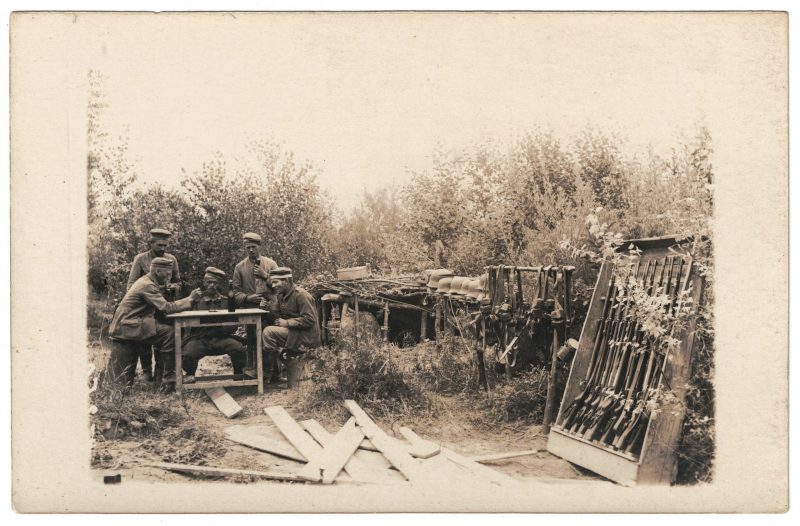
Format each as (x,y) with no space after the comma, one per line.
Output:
(626,366)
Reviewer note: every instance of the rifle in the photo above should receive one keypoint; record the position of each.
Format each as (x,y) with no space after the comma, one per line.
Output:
(609,358)
(611,371)
(591,371)
(614,401)
(608,393)
(635,438)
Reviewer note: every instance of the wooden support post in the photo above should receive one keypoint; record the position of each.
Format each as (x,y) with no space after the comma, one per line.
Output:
(356,328)
(437,319)
(324,328)
(551,385)
(423,326)
(386,322)
(480,349)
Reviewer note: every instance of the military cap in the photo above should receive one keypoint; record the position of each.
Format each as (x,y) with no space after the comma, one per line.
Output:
(160,233)
(215,272)
(280,272)
(161,262)
(252,237)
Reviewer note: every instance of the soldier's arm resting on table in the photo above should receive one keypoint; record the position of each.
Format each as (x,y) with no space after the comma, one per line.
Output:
(154,297)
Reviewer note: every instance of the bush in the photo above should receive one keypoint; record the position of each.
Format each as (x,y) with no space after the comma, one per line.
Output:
(367,372)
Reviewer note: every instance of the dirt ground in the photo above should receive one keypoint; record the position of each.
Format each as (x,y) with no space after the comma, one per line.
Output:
(128,455)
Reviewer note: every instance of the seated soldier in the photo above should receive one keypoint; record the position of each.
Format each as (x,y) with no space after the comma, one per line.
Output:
(212,341)
(136,324)
(296,317)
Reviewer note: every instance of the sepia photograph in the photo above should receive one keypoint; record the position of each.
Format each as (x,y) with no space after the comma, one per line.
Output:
(401,261)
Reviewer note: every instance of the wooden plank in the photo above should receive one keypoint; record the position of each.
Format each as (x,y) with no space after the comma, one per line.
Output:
(224,402)
(335,454)
(301,440)
(352,273)
(221,383)
(420,448)
(368,446)
(602,461)
(363,465)
(224,472)
(503,456)
(405,463)
(263,443)
(478,470)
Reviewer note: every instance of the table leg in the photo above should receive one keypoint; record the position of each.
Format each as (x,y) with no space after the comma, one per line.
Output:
(178,357)
(259,357)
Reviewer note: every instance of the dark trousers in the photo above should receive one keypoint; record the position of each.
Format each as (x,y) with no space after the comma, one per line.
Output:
(194,350)
(146,354)
(271,362)
(125,354)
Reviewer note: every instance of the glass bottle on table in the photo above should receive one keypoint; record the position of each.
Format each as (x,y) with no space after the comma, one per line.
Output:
(231,297)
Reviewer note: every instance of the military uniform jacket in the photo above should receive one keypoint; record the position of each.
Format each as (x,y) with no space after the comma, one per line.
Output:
(134,318)
(299,310)
(245,282)
(141,267)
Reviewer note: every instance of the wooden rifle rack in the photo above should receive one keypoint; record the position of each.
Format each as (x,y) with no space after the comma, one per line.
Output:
(656,462)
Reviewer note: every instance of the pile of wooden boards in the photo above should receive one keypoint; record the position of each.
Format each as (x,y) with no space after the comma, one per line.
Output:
(359,452)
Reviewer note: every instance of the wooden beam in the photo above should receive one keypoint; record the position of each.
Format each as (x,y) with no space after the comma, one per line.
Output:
(224,472)
(224,402)
(262,443)
(399,457)
(335,454)
(301,440)
(483,459)
(420,448)
(315,429)
(364,465)
(476,469)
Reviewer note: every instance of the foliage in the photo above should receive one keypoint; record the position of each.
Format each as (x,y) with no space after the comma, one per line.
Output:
(369,373)
(267,192)
(536,200)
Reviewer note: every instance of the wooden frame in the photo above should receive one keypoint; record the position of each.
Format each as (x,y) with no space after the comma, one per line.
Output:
(218,318)
(657,462)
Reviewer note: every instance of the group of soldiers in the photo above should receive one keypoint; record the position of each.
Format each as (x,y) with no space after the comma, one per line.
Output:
(139,328)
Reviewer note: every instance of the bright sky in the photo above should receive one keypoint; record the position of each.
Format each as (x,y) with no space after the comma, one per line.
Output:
(366,98)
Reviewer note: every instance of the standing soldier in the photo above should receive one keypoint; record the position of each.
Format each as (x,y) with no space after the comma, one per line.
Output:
(159,241)
(250,286)
(212,341)
(296,323)
(135,324)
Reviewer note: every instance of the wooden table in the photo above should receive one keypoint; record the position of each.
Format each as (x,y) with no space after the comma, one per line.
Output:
(216,318)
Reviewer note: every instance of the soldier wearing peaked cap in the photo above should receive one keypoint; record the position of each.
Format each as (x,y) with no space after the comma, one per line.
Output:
(159,241)
(251,274)
(135,325)
(212,341)
(250,285)
(296,326)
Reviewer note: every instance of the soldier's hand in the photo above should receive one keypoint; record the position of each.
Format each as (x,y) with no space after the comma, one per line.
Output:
(260,272)
(280,322)
(196,294)
(253,298)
